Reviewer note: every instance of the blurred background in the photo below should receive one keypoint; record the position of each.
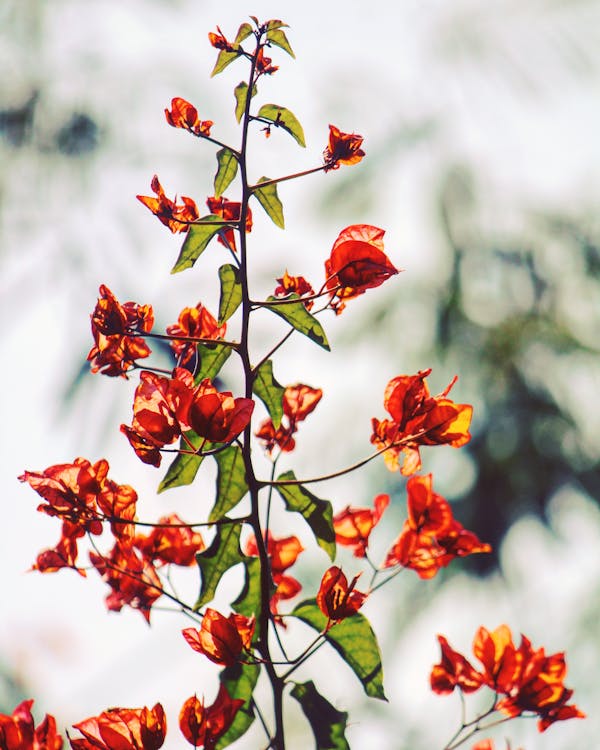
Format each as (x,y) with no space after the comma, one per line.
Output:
(481,127)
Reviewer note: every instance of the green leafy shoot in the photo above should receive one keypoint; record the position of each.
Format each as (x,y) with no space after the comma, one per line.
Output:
(315,511)
(354,640)
(269,391)
(196,241)
(283,118)
(300,319)
(243,33)
(269,200)
(327,723)
(231,481)
(226,170)
(231,292)
(214,562)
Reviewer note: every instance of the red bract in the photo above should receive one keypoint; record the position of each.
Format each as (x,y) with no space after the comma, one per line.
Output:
(172,542)
(132,578)
(18,731)
(298,402)
(431,537)
(336,598)
(222,639)
(418,419)
(353,526)
(343,148)
(263,63)
(123,729)
(454,671)
(113,325)
(282,553)
(160,413)
(219,42)
(217,416)
(228,211)
(185,115)
(193,322)
(177,218)
(204,726)
(294,285)
(357,263)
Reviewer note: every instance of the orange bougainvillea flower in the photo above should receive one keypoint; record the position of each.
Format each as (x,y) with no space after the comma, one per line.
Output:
(294,285)
(218,416)
(337,598)
(525,680)
(222,639)
(123,729)
(185,115)
(18,731)
(418,419)
(454,671)
(353,526)
(172,541)
(298,402)
(357,263)
(343,148)
(132,579)
(219,42)
(193,322)
(160,413)
(489,745)
(228,211)
(113,327)
(431,537)
(177,218)
(82,496)
(203,726)
(282,553)
(263,63)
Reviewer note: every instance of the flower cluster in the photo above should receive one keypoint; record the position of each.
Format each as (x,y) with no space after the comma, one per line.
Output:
(431,537)
(177,217)
(221,639)
(525,680)
(193,323)
(417,419)
(116,347)
(283,553)
(123,728)
(18,731)
(338,599)
(203,726)
(184,115)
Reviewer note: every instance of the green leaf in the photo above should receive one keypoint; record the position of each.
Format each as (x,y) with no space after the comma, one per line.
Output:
(224,58)
(212,358)
(231,481)
(278,37)
(240,98)
(317,513)
(214,562)
(327,723)
(275,23)
(184,467)
(226,170)
(269,391)
(300,319)
(249,601)
(231,292)
(196,241)
(240,681)
(243,33)
(269,200)
(354,640)
(283,118)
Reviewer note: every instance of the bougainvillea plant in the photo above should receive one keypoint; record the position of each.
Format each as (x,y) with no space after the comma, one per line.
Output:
(185,415)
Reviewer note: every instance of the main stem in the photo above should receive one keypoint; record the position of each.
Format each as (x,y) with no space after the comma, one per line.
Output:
(277,683)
